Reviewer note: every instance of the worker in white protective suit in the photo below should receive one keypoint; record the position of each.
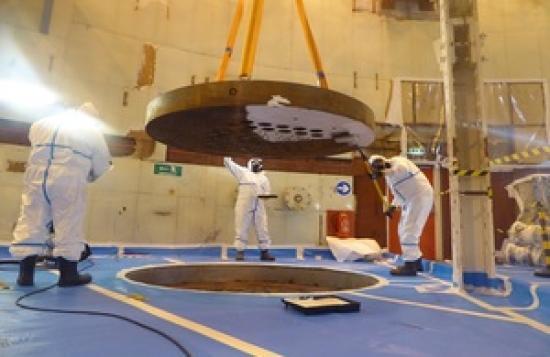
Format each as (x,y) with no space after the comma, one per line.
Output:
(68,151)
(414,194)
(249,208)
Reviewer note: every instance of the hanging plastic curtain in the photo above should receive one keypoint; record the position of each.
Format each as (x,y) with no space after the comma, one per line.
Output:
(423,118)
(516,118)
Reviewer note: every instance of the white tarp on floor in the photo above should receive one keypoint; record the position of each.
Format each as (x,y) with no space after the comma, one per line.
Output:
(350,249)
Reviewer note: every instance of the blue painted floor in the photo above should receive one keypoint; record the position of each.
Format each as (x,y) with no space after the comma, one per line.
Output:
(422,316)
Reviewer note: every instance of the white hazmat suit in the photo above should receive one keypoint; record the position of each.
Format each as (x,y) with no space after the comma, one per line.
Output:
(249,208)
(68,150)
(414,194)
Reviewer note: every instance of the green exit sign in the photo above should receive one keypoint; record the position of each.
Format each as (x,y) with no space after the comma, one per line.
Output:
(416,151)
(167,170)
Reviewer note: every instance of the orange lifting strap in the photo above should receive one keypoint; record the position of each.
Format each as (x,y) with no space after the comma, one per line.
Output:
(251,43)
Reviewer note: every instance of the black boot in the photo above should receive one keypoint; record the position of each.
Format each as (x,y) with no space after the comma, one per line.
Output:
(407,269)
(26,271)
(419,266)
(239,256)
(69,275)
(265,256)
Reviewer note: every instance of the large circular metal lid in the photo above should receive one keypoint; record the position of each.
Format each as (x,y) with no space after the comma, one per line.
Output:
(260,118)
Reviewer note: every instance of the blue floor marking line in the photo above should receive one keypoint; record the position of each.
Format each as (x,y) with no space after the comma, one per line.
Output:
(252,309)
(434,307)
(255,252)
(264,322)
(420,302)
(521,295)
(532,323)
(542,313)
(482,280)
(163,251)
(105,250)
(513,314)
(442,270)
(4,251)
(318,252)
(535,324)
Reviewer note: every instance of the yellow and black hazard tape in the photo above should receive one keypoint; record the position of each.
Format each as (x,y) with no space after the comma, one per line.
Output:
(475,173)
(545,231)
(488,193)
(526,154)
(543,217)
(504,160)
(546,250)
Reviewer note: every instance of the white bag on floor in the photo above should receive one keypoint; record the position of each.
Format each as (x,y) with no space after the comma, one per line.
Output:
(351,249)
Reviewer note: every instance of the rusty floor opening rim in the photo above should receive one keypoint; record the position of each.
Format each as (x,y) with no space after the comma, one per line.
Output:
(250,278)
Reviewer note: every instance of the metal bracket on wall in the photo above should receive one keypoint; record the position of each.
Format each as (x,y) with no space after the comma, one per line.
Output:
(145,145)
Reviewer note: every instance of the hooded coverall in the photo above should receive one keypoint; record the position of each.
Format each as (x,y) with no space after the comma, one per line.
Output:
(413,192)
(67,152)
(249,208)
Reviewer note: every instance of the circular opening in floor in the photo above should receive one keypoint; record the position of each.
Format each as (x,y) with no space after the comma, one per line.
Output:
(250,278)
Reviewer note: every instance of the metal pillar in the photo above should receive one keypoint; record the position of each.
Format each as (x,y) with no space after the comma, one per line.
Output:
(471,210)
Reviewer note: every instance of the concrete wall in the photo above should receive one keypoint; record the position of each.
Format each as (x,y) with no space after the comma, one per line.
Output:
(93,49)
(93,52)
(131,204)
(518,33)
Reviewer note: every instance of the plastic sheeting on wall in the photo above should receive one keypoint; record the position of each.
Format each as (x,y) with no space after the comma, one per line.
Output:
(418,106)
(516,118)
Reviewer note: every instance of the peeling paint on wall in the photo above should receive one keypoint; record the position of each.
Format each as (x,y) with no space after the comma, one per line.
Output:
(146,74)
(16,166)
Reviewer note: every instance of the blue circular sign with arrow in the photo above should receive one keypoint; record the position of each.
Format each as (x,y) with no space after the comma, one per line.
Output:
(343,188)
